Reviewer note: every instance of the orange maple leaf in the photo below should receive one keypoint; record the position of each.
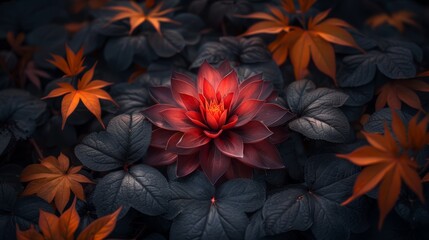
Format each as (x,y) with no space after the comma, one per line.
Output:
(388,162)
(53,179)
(71,66)
(313,42)
(396,20)
(304,5)
(89,92)
(65,226)
(137,15)
(402,90)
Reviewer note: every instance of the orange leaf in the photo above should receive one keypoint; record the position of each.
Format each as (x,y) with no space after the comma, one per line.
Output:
(52,180)
(388,162)
(396,20)
(100,228)
(73,65)
(30,234)
(88,91)
(69,222)
(137,16)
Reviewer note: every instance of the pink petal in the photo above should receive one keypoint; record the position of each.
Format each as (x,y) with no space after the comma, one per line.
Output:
(186,164)
(162,95)
(196,118)
(212,75)
(177,120)
(271,114)
(230,144)
(251,90)
(214,163)
(267,91)
(247,110)
(181,83)
(159,157)
(191,103)
(192,139)
(256,77)
(262,155)
(253,131)
(229,84)
(160,137)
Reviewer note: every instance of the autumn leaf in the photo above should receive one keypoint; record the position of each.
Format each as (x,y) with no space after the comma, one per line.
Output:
(89,92)
(396,20)
(304,5)
(53,179)
(314,42)
(388,162)
(65,226)
(137,15)
(394,92)
(72,65)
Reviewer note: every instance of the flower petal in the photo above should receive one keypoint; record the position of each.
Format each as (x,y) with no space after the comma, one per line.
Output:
(213,134)
(214,163)
(247,111)
(181,83)
(238,169)
(160,137)
(176,119)
(262,155)
(253,131)
(229,84)
(159,157)
(208,90)
(191,103)
(230,144)
(209,73)
(186,164)
(273,114)
(192,139)
(153,114)
(196,118)
(162,95)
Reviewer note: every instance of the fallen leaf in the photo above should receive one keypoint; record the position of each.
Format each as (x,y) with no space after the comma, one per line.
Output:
(387,162)
(396,20)
(53,179)
(89,92)
(137,15)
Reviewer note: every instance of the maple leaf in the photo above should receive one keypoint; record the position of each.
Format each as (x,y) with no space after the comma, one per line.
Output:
(304,5)
(72,65)
(53,179)
(89,92)
(396,20)
(137,15)
(314,42)
(388,162)
(402,90)
(65,226)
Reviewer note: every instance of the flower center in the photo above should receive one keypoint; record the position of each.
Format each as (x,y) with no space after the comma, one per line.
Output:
(215,109)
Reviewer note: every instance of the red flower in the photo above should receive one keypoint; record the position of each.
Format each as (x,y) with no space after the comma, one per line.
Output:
(217,123)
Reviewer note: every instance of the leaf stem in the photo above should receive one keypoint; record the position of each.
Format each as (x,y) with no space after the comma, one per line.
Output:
(37,148)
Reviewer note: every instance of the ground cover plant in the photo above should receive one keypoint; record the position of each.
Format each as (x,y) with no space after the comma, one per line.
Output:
(214,119)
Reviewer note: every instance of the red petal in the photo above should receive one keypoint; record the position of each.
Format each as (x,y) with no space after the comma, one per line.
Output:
(160,137)
(229,84)
(247,111)
(280,134)
(154,115)
(196,118)
(211,121)
(162,95)
(186,164)
(181,83)
(191,103)
(231,123)
(212,75)
(159,157)
(272,114)
(213,134)
(262,155)
(208,90)
(238,170)
(251,90)
(192,139)
(230,144)
(227,100)
(252,132)
(267,91)
(172,145)
(225,68)
(214,163)
(177,120)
